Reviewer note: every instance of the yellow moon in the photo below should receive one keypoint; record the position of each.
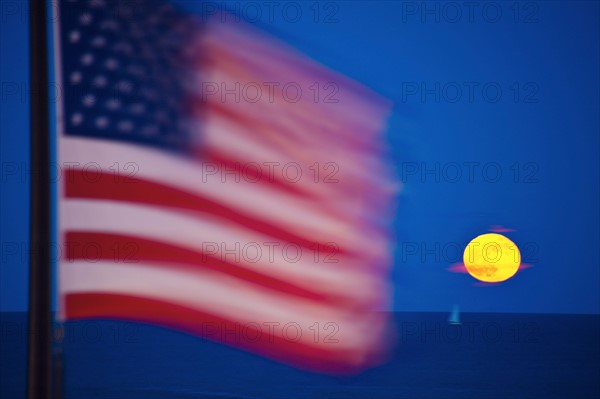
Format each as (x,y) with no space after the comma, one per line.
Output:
(492,258)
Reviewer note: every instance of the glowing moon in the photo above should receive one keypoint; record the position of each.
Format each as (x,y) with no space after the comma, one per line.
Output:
(492,258)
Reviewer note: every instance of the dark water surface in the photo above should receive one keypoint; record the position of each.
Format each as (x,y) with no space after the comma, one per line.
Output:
(488,356)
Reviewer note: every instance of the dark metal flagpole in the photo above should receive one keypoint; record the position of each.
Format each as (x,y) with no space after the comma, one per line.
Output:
(40,318)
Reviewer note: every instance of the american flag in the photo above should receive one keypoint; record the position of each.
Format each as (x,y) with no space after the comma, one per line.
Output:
(218,182)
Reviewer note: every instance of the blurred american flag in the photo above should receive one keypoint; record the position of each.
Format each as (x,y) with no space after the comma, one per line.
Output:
(192,200)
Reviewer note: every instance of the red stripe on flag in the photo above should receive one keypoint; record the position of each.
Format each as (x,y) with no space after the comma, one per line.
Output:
(101,185)
(253,175)
(252,337)
(131,250)
(219,58)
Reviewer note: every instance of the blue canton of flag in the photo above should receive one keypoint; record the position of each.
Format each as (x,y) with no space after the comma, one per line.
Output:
(123,69)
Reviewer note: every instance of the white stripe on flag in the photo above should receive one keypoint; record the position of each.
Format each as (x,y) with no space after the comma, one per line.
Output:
(217,294)
(343,279)
(258,200)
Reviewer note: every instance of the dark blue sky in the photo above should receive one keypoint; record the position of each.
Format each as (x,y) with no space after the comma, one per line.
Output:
(494,89)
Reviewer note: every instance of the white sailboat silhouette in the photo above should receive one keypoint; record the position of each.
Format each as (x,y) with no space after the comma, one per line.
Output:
(454,316)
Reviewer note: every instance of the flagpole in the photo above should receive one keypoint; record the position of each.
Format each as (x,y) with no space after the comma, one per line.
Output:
(40,318)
